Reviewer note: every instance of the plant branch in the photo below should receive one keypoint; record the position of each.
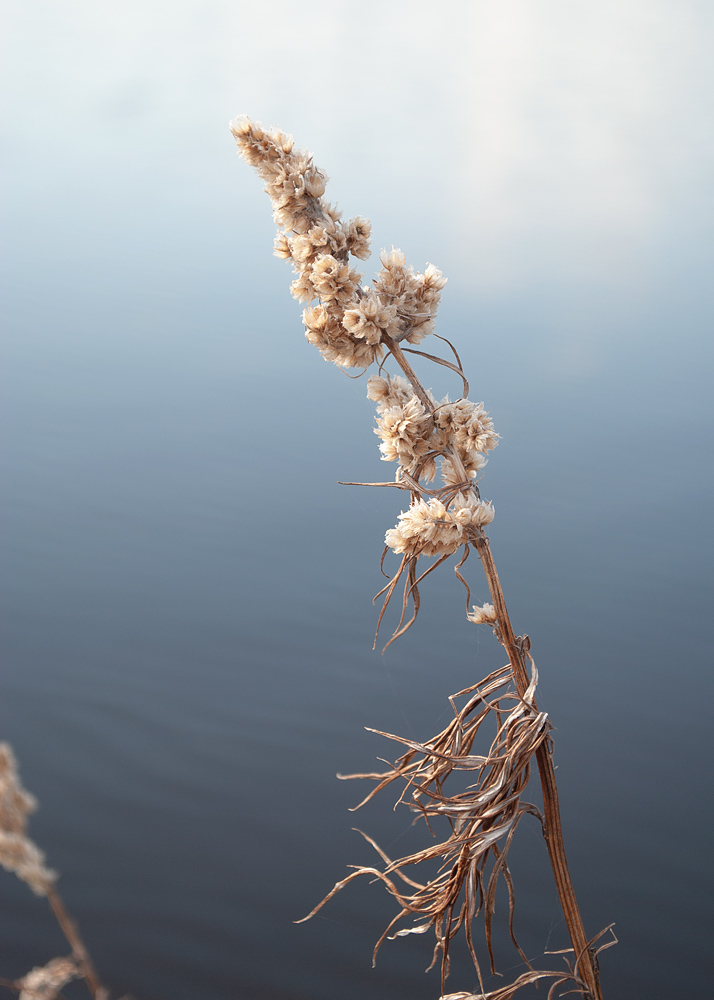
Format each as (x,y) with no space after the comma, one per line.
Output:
(401,359)
(586,967)
(79,950)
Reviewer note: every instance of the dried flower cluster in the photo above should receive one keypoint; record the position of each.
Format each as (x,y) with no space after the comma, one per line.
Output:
(349,320)
(44,983)
(460,434)
(484,615)
(18,853)
(429,528)
(352,323)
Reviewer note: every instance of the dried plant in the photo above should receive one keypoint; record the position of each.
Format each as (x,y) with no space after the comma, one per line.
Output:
(45,983)
(354,326)
(20,855)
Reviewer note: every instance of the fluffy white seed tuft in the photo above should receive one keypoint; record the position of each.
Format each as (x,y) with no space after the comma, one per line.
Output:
(430,528)
(18,854)
(483,615)
(44,983)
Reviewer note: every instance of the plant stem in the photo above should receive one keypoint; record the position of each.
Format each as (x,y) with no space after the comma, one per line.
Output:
(586,967)
(399,356)
(586,962)
(79,950)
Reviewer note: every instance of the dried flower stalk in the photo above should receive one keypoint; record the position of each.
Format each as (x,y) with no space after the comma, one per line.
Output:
(354,325)
(20,855)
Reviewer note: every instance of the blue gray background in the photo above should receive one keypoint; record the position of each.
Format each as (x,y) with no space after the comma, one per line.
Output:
(188,626)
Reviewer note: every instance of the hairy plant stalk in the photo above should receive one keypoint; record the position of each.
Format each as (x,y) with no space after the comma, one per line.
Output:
(354,325)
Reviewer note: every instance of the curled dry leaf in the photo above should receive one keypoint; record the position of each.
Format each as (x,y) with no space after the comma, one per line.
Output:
(472,827)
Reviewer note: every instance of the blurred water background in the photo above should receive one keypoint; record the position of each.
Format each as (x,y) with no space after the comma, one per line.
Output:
(187,628)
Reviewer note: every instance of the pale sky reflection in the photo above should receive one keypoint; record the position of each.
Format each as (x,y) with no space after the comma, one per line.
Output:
(554,140)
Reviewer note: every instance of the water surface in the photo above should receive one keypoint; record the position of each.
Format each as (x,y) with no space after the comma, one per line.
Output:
(188,626)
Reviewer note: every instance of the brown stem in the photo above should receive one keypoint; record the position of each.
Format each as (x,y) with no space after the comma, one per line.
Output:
(585,961)
(79,950)
(399,356)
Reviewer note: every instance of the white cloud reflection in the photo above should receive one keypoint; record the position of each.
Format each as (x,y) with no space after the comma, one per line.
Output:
(553,138)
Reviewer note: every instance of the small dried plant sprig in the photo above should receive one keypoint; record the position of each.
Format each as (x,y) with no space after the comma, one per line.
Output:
(45,982)
(354,325)
(20,855)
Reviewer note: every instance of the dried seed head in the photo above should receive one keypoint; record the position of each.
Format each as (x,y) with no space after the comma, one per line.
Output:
(483,615)
(282,246)
(334,280)
(358,235)
(402,304)
(18,853)
(467,425)
(430,528)
(326,333)
(416,296)
(388,390)
(45,983)
(15,802)
(370,319)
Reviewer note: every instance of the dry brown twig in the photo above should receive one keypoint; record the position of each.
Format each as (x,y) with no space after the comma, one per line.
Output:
(354,325)
(20,855)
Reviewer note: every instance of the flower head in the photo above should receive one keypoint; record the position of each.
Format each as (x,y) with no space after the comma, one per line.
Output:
(483,615)
(430,528)
(400,303)
(18,853)
(44,983)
